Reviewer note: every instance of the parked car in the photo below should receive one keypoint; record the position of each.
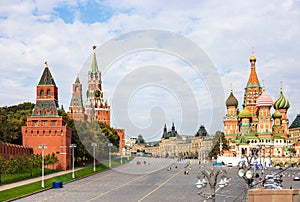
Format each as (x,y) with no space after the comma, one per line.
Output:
(272,186)
(296,178)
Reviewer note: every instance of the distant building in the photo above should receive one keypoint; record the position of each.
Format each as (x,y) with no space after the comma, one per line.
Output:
(174,145)
(46,125)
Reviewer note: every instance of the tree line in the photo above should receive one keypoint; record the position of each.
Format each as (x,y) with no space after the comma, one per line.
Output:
(12,118)
(25,164)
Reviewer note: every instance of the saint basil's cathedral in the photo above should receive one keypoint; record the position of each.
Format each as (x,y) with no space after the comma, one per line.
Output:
(47,127)
(255,126)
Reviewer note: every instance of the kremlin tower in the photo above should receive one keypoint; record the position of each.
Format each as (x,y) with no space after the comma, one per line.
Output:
(76,109)
(96,107)
(46,126)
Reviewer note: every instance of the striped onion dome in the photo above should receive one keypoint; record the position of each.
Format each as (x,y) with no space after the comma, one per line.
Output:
(231,100)
(281,102)
(245,113)
(276,114)
(264,100)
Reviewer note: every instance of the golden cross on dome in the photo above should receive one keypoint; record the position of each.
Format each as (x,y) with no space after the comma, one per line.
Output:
(46,63)
(230,87)
(280,86)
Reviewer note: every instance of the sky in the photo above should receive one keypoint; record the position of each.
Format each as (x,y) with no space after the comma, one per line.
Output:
(161,61)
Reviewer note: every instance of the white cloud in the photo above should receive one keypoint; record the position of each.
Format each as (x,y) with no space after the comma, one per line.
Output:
(31,32)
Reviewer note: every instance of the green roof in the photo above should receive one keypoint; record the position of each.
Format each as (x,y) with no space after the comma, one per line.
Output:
(77,80)
(46,78)
(296,122)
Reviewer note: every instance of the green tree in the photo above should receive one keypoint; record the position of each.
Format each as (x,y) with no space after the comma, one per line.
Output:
(12,119)
(11,165)
(216,144)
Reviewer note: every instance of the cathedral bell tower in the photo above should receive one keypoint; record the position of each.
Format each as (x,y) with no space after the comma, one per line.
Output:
(252,91)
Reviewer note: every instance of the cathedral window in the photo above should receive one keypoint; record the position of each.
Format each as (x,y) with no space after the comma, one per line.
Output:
(34,123)
(76,89)
(53,123)
(48,92)
(42,93)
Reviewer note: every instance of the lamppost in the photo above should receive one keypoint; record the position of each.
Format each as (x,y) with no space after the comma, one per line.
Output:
(291,147)
(73,160)
(94,145)
(109,155)
(212,178)
(43,146)
(246,172)
(270,150)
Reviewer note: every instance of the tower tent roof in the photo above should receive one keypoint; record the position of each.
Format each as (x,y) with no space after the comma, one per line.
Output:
(94,66)
(46,78)
(77,81)
(253,79)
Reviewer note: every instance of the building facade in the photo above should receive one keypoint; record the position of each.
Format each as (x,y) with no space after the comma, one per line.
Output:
(173,145)
(254,126)
(46,125)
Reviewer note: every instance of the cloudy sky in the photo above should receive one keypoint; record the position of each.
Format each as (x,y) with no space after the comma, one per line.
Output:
(149,86)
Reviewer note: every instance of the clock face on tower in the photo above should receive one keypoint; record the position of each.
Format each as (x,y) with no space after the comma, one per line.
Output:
(97,94)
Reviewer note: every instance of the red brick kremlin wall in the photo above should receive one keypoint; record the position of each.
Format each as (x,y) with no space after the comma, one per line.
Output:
(12,150)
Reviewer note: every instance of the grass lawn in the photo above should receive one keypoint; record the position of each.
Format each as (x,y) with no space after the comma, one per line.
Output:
(36,186)
(23,175)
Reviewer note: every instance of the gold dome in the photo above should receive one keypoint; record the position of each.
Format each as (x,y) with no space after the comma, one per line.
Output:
(252,58)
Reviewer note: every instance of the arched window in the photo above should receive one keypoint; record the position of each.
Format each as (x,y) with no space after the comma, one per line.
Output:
(48,92)
(76,89)
(42,93)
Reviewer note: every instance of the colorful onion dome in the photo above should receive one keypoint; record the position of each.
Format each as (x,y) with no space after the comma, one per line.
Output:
(264,100)
(281,102)
(231,100)
(245,113)
(276,114)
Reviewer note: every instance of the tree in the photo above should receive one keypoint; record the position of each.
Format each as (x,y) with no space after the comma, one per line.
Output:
(11,165)
(216,144)
(12,119)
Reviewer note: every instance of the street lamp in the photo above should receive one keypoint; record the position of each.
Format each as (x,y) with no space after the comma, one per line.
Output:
(43,146)
(245,171)
(73,171)
(94,145)
(212,178)
(270,150)
(109,155)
